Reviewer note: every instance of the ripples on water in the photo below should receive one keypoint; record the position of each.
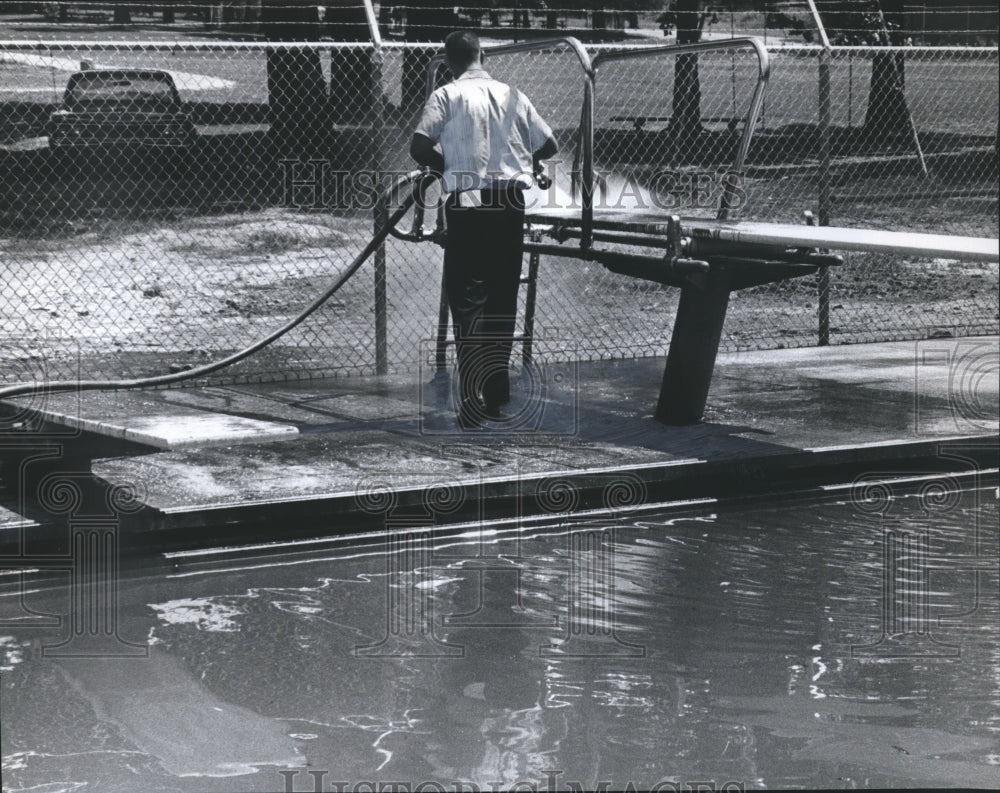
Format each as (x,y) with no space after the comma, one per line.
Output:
(767,647)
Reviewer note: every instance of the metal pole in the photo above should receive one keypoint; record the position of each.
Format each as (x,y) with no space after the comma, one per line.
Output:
(441,341)
(381,211)
(587,182)
(372,19)
(823,289)
(824,116)
(823,283)
(824,138)
(820,27)
(527,346)
(850,89)
(823,280)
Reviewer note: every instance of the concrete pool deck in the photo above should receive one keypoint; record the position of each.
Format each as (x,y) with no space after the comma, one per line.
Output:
(266,462)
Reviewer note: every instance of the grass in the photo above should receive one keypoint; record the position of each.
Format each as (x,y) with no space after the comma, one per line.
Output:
(945,92)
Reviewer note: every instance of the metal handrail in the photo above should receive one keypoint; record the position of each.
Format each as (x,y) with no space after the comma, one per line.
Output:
(684,49)
(591,67)
(756,102)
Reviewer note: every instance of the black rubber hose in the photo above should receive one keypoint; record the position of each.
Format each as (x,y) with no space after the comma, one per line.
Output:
(35,387)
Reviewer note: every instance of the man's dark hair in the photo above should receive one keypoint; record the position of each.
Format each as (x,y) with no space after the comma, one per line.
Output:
(462,48)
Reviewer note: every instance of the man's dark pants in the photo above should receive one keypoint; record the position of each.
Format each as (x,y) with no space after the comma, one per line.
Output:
(482,267)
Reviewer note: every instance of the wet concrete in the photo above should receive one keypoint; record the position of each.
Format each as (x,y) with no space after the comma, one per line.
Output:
(278,454)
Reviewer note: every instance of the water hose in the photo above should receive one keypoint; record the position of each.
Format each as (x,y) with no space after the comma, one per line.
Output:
(420,180)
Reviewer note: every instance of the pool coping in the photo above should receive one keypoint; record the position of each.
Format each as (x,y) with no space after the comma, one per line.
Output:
(280,461)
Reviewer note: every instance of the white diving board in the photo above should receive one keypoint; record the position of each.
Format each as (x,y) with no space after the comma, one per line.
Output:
(943,246)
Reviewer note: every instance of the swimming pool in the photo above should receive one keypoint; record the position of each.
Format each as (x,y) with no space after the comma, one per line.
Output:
(847,642)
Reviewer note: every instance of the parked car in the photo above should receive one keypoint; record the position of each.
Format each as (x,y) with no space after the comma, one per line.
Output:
(115,115)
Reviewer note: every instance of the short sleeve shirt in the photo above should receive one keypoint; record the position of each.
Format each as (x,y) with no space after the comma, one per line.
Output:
(487,131)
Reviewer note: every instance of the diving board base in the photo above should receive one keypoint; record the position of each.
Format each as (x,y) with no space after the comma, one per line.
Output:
(694,345)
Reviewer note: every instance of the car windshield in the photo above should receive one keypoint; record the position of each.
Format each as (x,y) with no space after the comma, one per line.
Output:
(119,88)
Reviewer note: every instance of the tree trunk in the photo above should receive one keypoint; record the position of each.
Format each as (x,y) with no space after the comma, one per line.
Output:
(169,15)
(122,14)
(298,97)
(350,67)
(685,122)
(428,21)
(887,114)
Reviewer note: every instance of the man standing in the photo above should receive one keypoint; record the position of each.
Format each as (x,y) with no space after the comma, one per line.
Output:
(486,140)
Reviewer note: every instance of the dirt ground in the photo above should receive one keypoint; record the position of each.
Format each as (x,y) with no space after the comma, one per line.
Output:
(136,299)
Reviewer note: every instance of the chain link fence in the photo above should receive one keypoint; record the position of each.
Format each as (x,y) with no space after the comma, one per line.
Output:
(165,203)
(902,139)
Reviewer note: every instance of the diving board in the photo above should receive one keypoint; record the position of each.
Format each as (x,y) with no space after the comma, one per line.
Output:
(710,259)
(903,243)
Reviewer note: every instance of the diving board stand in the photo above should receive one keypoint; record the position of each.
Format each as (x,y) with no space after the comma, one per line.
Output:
(709,260)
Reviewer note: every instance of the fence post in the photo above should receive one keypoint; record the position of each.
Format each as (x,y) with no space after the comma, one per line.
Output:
(850,90)
(381,212)
(823,290)
(823,277)
(824,138)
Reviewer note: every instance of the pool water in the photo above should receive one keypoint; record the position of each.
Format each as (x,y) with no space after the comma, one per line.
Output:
(842,643)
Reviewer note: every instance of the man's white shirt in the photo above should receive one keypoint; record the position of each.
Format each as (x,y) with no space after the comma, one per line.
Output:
(487,131)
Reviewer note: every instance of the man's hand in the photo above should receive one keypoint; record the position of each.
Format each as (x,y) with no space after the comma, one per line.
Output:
(425,152)
(548,149)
